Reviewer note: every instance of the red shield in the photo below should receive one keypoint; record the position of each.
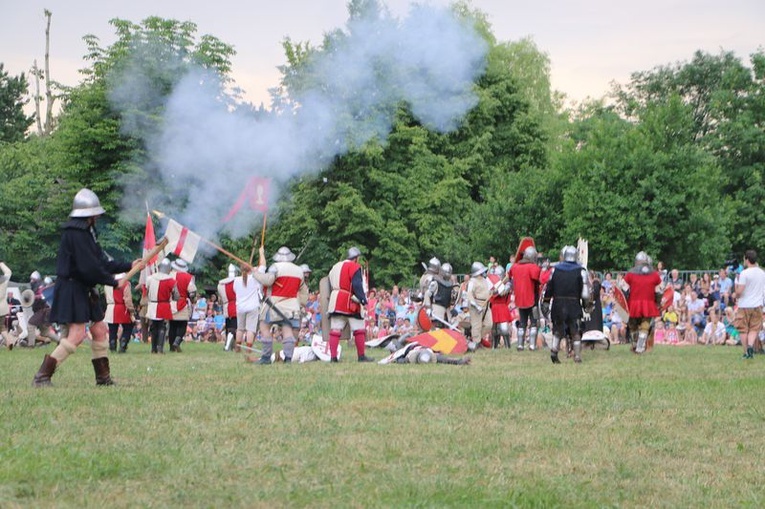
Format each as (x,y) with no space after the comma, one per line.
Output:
(525,242)
(442,341)
(667,298)
(621,304)
(423,320)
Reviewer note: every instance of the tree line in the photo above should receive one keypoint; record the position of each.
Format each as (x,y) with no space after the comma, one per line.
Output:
(671,163)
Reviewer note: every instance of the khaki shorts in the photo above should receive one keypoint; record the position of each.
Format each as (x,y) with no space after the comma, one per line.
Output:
(337,322)
(748,320)
(247,321)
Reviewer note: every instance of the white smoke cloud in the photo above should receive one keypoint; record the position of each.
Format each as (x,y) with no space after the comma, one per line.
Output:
(207,150)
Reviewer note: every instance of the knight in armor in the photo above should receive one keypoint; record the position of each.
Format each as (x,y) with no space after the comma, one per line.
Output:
(644,282)
(283,283)
(119,313)
(347,300)
(524,276)
(187,294)
(478,293)
(432,270)
(227,299)
(441,295)
(162,294)
(4,307)
(414,353)
(569,289)
(499,303)
(80,266)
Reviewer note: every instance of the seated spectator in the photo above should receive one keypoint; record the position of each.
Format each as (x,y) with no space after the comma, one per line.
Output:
(675,280)
(659,333)
(670,317)
(714,331)
(618,328)
(726,287)
(672,336)
(696,309)
(608,283)
(730,326)
(688,335)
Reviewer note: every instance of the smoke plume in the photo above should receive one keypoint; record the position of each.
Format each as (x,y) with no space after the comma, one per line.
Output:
(207,148)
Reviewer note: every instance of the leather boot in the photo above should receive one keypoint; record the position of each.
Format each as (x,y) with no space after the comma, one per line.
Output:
(43,375)
(112,344)
(123,345)
(103,375)
(177,345)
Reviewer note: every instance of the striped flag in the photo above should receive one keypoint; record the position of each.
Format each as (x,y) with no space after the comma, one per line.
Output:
(182,242)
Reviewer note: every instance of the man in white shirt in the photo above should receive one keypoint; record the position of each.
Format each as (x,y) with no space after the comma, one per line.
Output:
(750,293)
(248,291)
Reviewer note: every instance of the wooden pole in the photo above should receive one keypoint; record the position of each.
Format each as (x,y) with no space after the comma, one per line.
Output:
(151,254)
(263,231)
(227,253)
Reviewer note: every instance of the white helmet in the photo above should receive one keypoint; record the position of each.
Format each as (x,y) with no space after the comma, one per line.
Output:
(283,254)
(180,265)
(446,270)
(35,276)
(305,268)
(569,254)
(642,258)
(86,204)
(165,266)
(232,270)
(353,253)
(477,269)
(530,254)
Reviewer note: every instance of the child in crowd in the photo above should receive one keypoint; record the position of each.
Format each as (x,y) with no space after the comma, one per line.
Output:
(659,333)
(672,335)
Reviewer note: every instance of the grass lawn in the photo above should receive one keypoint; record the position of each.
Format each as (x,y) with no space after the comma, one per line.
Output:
(678,427)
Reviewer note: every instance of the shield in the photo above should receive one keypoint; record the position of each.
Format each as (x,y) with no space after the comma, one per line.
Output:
(401,352)
(321,348)
(621,305)
(27,298)
(382,342)
(667,298)
(596,337)
(442,340)
(582,252)
(423,320)
(324,290)
(525,242)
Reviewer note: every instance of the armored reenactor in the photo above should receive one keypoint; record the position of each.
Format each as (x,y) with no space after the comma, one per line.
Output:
(643,282)
(283,283)
(80,266)
(441,294)
(120,312)
(478,293)
(162,295)
(432,270)
(499,303)
(227,299)
(525,278)
(187,294)
(4,308)
(347,300)
(569,289)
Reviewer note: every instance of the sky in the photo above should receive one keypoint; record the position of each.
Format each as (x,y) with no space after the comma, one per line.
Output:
(590,43)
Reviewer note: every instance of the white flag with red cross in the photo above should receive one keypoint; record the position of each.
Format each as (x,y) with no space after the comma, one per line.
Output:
(182,242)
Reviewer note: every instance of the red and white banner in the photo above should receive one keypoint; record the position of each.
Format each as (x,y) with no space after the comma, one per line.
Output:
(149,242)
(182,242)
(255,193)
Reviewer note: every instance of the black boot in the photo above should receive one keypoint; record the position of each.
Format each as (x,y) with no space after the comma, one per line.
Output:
(123,345)
(43,375)
(176,345)
(112,344)
(103,375)
(364,358)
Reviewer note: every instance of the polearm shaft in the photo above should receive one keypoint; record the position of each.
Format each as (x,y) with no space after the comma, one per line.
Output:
(151,254)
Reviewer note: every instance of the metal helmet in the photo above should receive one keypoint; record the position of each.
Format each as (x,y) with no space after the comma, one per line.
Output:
(232,270)
(283,254)
(48,281)
(499,270)
(180,265)
(424,356)
(642,258)
(530,254)
(86,204)
(353,253)
(35,276)
(434,265)
(447,270)
(477,269)
(165,266)
(569,254)
(305,268)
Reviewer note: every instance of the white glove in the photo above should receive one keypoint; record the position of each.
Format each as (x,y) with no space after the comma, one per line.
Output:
(429,312)
(587,317)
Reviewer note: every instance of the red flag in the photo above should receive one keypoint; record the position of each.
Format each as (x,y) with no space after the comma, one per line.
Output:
(255,193)
(149,242)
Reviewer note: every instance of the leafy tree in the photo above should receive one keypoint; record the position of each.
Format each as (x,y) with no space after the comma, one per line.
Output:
(13,121)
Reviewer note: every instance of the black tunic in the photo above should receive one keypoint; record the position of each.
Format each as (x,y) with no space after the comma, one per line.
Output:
(80,266)
(596,317)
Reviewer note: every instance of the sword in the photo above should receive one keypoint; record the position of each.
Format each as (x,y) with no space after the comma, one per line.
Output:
(271,305)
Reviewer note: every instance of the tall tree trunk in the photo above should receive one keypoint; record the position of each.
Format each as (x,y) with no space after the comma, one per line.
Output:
(48,93)
(36,74)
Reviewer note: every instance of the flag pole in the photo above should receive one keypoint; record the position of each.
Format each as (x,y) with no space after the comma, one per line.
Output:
(151,254)
(263,231)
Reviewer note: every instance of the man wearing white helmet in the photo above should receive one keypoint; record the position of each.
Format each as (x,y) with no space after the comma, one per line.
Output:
(227,299)
(478,293)
(569,289)
(499,303)
(525,275)
(119,313)
(441,294)
(80,266)
(283,284)
(432,269)
(643,281)
(163,295)
(347,300)
(187,294)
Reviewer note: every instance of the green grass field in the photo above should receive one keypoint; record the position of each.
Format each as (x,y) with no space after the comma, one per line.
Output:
(678,427)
